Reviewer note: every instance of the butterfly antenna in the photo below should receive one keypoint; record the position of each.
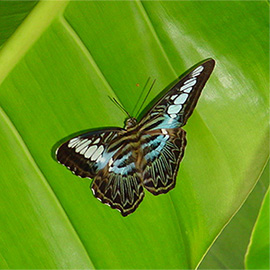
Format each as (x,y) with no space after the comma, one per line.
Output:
(146,96)
(120,106)
(147,81)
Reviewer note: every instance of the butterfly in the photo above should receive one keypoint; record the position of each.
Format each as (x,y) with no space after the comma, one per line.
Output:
(144,154)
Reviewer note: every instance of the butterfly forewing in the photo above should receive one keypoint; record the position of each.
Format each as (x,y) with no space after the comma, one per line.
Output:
(177,105)
(88,153)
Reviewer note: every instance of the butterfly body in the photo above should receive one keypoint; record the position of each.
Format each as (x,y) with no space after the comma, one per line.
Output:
(145,154)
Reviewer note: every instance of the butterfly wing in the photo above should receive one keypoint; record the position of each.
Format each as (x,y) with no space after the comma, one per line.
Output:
(106,156)
(164,148)
(177,105)
(162,151)
(88,153)
(119,184)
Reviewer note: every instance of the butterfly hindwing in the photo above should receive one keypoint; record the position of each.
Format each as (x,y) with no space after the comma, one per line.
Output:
(162,153)
(119,184)
(177,105)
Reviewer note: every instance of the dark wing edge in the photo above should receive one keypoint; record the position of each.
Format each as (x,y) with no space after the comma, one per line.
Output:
(160,171)
(119,183)
(77,153)
(196,92)
(123,193)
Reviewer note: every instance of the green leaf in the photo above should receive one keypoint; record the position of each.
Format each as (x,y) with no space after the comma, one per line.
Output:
(228,252)
(258,253)
(31,215)
(12,15)
(56,73)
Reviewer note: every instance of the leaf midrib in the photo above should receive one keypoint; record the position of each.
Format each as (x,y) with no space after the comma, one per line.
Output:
(26,35)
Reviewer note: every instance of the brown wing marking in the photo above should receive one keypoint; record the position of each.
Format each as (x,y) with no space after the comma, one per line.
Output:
(160,172)
(119,184)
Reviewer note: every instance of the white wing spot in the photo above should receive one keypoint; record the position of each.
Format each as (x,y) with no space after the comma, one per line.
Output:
(98,152)
(82,145)
(197,71)
(164,131)
(173,97)
(190,80)
(191,83)
(82,152)
(93,191)
(174,109)
(173,115)
(96,141)
(110,162)
(195,74)
(110,165)
(181,99)
(90,151)
(73,142)
(188,90)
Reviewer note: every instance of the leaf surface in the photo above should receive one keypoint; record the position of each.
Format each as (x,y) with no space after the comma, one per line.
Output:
(69,58)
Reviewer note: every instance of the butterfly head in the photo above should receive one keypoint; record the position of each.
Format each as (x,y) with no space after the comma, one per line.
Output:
(131,122)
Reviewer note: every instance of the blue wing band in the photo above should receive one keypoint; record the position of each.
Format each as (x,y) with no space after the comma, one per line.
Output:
(162,158)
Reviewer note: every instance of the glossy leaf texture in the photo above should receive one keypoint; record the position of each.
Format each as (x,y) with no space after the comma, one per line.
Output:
(56,72)
(230,248)
(11,16)
(258,252)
